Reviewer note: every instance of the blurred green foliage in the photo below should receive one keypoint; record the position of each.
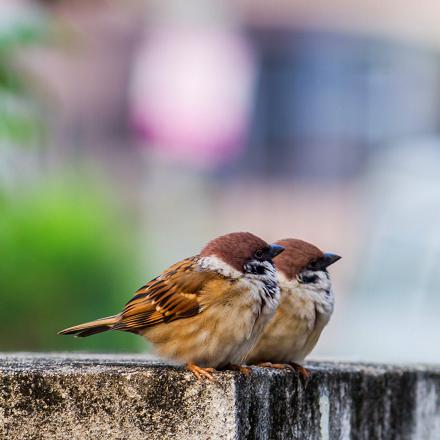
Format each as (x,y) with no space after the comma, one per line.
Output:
(19,115)
(66,258)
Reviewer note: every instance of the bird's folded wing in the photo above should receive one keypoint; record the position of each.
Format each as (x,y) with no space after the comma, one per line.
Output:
(175,294)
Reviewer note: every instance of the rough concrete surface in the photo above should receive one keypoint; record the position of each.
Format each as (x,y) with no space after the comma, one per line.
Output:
(67,396)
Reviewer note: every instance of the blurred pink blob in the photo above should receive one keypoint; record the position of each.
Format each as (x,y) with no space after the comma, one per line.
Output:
(191,94)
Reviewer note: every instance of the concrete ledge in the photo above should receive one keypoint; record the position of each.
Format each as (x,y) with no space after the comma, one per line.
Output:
(131,397)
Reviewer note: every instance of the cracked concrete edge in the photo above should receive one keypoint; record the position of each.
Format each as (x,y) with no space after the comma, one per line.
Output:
(82,396)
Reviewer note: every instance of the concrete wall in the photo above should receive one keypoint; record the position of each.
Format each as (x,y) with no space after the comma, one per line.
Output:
(46,396)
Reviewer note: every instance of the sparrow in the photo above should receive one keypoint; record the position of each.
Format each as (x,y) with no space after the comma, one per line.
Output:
(306,305)
(207,310)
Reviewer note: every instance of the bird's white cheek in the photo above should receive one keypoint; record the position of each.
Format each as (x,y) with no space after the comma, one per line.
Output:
(215,264)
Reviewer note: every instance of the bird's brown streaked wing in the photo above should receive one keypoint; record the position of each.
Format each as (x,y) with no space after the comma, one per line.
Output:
(175,294)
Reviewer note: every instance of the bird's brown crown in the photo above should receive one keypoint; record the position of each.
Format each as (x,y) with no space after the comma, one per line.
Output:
(235,248)
(298,254)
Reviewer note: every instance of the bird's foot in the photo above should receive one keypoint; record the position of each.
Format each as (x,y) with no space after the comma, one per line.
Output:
(200,372)
(241,368)
(303,373)
(276,366)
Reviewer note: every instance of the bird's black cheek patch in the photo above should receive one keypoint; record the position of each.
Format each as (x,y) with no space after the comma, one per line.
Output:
(260,270)
(255,267)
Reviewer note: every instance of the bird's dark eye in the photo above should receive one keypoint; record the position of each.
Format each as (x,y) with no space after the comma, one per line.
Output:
(307,278)
(259,254)
(313,265)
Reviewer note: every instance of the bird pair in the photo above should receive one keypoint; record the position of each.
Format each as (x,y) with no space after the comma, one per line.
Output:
(240,300)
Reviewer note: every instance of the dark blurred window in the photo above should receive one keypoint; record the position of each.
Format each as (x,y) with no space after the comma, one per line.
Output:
(324,101)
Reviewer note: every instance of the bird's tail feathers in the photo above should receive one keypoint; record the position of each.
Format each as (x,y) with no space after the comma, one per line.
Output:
(91,328)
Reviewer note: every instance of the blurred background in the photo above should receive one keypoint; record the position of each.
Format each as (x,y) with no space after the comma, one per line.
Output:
(133,132)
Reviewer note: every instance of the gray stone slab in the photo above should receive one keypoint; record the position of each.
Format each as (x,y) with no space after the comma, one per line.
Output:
(84,396)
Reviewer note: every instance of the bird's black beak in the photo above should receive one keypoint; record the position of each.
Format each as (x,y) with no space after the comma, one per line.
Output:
(275,249)
(328,259)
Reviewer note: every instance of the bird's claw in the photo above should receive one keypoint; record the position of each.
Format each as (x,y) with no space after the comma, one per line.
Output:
(303,372)
(241,368)
(200,372)
(276,366)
